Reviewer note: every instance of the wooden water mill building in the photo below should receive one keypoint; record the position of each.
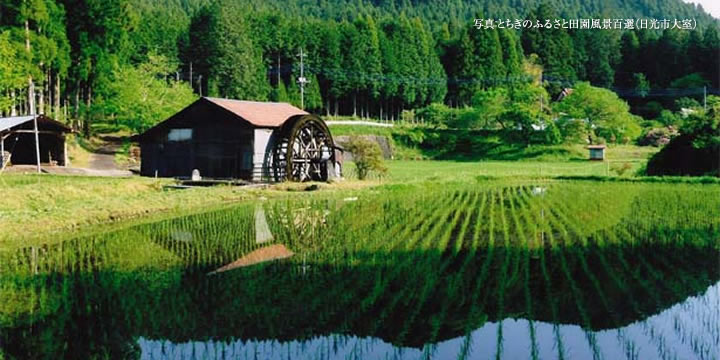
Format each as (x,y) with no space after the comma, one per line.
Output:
(235,139)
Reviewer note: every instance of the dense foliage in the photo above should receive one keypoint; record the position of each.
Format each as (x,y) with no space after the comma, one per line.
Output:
(602,111)
(363,58)
(697,150)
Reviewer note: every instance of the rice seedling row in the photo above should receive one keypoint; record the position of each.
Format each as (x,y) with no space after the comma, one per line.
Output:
(401,265)
(432,263)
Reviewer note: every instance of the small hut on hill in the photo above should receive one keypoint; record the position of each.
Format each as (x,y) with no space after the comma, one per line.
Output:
(597,152)
(18,143)
(250,140)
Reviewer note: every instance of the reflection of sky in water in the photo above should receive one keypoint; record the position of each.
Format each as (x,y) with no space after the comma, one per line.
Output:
(688,330)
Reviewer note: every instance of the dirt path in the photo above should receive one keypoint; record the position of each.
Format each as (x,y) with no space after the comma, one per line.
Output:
(104,157)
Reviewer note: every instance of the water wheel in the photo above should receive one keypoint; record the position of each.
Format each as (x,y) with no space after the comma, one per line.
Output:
(303,149)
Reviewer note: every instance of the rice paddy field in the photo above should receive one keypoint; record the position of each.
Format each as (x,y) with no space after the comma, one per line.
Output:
(488,270)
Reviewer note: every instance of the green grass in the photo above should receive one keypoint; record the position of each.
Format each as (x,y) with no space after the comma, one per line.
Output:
(35,206)
(414,142)
(38,206)
(412,264)
(459,171)
(344,130)
(48,208)
(78,154)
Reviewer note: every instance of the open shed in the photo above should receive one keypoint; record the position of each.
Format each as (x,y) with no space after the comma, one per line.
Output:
(18,146)
(250,140)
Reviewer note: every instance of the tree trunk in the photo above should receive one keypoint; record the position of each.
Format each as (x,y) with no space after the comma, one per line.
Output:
(13,109)
(31,85)
(88,99)
(354,105)
(76,106)
(362,108)
(88,103)
(56,95)
(41,104)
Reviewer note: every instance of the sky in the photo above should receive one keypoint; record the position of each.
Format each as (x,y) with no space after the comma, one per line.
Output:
(711,6)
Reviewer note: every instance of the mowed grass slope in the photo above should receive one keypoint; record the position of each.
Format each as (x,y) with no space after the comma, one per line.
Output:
(35,208)
(39,205)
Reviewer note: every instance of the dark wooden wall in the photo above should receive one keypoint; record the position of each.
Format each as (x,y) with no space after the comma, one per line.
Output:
(22,144)
(221,145)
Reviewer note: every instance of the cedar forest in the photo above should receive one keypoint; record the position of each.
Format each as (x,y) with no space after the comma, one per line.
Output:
(132,63)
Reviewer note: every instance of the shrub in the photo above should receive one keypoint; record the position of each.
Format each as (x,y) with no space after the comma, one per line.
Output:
(680,157)
(410,137)
(667,118)
(437,113)
(658,136)
(573,131)
(367,156)
(407,116)
(621,169)
(552,134)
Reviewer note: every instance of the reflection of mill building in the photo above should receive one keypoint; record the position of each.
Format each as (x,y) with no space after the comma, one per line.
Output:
(256,141)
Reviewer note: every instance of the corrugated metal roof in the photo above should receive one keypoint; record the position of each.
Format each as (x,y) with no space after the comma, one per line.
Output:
(43,122)
(269,114)
(10,122)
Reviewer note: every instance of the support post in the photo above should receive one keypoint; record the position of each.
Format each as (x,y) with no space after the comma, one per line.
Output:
(65,154)
(2,152)
(607,168)
(37,144)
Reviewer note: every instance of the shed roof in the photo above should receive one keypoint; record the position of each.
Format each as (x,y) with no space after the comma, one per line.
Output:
(13,121)
(264,114)
(596,147)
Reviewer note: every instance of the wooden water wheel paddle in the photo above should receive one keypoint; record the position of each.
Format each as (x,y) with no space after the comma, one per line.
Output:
(303,149)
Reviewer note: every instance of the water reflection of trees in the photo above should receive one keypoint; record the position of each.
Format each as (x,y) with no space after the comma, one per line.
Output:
(103,312)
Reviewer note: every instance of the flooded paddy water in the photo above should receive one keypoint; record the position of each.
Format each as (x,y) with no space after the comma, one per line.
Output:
(563,270)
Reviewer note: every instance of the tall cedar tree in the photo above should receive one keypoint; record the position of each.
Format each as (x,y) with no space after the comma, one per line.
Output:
(481,62)
(553,46)
(227,57)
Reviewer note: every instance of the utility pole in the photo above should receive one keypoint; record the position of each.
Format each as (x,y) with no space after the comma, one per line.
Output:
(191,75)
(302,80)
(705,97)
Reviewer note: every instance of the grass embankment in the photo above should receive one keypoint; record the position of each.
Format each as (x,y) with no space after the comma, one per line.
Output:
(40,206)
(412,142)
(78,152)
(36,207)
